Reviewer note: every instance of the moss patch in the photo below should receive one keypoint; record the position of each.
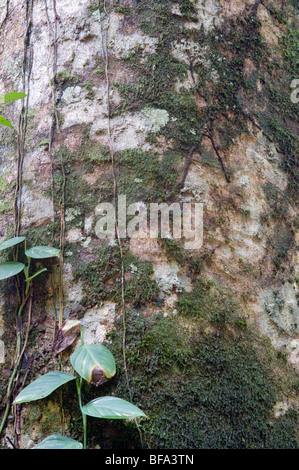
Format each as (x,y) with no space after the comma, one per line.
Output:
(200,389)
(102,277)
(203,384)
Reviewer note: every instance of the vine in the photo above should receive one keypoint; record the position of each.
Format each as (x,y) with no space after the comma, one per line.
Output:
(26,66)
(55,126)
(22,296)
(104,52)
(22,299)
(53,40)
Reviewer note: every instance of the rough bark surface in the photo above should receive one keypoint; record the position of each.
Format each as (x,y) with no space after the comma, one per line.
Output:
(161,101)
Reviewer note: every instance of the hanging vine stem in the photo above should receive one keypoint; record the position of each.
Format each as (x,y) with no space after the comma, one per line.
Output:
(22,130)
(22,295)
(17,408)
(27,65)
(62,200)
(52,125)
(51,137)
(20,350)
(104,50)
(186,166)
(111,148)
(53,37)
(55,125)
(208,133)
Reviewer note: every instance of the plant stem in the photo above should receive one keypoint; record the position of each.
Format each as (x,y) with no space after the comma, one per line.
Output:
(26,271)
(84,416)
(18,357)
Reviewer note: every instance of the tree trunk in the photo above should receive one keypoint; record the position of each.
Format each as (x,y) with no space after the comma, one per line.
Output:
(131,104)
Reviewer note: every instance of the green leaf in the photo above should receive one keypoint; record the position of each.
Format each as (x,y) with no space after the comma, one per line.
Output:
(56,441)
(43,386)
(5,122)
(40,252)
(94,362)
(11,242)
(36,274)
(11,97)
(9,269)
(111,408)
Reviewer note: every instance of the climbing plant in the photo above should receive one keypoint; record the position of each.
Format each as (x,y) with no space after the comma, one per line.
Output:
(24,293)
(8,97)
(95,364)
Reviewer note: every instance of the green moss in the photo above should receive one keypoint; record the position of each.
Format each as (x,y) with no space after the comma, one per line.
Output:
(3,184)
(141,287)
(199,390)
(155,19)
(123,10)
(90,91)
(6,207)
(276,113)
(277,200)
(173,250)
(282,243)
(51,423)
(294,5)
(32,418)
(44,417)
(92,154)
(187,9)
(42,235)
(102,277)
(220,74)
(279,15)
(204,379)
(142,176)
(64,79)
(209,301)
(230,95)
(80,197)
(290,41)
(93,8)
(6,201)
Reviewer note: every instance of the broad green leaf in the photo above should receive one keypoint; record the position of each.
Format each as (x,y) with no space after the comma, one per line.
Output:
(36,274)
(43,386)
(94,362)
(9,269)
(56,441)
(5,122)
(11,242)
(111,408)
(40,252)
(11,97)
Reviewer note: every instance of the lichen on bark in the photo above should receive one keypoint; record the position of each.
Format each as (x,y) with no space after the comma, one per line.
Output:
(166,101)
